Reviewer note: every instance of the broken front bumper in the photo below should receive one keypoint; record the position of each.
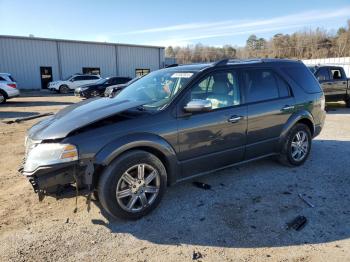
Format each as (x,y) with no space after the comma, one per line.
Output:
(52,180)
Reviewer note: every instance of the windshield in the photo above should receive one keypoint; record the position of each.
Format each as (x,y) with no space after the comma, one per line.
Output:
(312,69)
(157,88)
(67,78)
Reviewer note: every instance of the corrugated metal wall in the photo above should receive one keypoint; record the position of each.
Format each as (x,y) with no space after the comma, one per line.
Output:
(335,61)
(23,57)
(75,56)
(137,58)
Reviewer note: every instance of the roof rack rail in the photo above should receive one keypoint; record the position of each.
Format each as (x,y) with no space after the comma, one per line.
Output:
(172,65)
(221,62)
(237,61)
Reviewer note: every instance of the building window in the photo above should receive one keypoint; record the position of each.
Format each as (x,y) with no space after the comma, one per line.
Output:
(142,72)
(91,70)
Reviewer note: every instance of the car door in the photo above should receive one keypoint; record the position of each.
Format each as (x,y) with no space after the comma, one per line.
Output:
(270,104)
(323,77)
(89,80)
(213,139)
(76,82)
(339,82)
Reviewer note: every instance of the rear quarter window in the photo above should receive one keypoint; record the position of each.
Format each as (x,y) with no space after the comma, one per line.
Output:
(303,77)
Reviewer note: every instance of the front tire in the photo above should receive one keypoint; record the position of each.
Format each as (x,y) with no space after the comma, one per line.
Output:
(347,101)
(64,89)
(297,146)
(132,185)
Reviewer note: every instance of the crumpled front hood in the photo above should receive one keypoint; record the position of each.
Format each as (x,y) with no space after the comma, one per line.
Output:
(79,115)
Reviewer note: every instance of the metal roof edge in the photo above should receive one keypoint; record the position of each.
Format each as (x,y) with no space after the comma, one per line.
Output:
(77,41)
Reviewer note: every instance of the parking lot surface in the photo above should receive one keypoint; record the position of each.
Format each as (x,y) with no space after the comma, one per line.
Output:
(243,217)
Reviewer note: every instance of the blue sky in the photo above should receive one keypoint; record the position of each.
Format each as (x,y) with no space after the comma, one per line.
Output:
(161,22)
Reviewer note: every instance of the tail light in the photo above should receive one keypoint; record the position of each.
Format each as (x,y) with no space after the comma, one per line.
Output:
(12,85)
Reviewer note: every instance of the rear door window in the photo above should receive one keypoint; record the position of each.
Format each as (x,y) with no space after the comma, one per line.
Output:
(303,77)
(336,74)
(261,85)
(12,79)
(323,74)
(2,79)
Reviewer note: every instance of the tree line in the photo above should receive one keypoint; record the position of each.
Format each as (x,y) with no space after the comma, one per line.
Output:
(306,44)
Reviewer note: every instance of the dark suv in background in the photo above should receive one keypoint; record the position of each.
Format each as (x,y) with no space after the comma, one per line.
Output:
(174,124)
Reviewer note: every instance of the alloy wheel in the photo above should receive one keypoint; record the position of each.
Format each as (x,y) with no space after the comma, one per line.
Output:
(300,145)
(138,188)
(2,98)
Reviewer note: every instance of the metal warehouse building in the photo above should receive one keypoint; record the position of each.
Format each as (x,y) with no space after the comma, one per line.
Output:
(33,61)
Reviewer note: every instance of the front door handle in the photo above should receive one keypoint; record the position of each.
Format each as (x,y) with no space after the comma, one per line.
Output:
(286,108)
(234,119)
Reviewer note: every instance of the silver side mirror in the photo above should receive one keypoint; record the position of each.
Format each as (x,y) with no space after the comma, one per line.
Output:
(198,105)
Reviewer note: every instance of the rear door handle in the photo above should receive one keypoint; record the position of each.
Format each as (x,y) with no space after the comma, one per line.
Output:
(285,108)
(234,119)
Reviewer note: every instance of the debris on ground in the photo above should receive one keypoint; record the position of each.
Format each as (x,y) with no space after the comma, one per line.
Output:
(306,201)
(202,185)
(196,255)
(19,120)
(297,223)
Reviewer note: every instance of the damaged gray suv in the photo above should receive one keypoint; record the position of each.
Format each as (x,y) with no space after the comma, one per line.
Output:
(174,124)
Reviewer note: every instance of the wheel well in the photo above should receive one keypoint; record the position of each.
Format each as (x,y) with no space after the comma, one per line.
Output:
(308,123)
(158,154)
(151,150)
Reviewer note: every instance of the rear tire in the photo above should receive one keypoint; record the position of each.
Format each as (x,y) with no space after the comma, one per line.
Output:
(347,101)
(122,191)
(64,89)
(2,97)
(297,146)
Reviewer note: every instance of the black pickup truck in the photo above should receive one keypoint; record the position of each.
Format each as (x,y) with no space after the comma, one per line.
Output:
(335,84)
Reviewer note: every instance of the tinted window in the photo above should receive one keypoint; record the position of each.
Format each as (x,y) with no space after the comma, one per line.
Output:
(121,80)
(336,74)
(12,79)
(322,74)
(261,85)
(303,78)
(78,78)
(90,77)
(220,88)
(2,79)
(283,87)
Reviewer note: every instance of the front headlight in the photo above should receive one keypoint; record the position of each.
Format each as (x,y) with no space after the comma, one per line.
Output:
(48,154)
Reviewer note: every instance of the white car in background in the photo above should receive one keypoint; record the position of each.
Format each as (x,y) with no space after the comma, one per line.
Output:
(8,87)
(72,82)
(7,91)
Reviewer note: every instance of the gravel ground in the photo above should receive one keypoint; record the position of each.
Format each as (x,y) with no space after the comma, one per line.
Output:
(242,218)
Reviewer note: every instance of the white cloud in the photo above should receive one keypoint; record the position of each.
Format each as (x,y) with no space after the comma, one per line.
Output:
(184,34)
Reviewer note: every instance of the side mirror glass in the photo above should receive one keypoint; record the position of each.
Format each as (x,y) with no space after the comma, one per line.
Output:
(198,105)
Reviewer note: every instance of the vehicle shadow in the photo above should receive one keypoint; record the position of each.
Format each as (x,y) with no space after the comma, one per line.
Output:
(14,114)
(250,206)
(337,108)
(12,103)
